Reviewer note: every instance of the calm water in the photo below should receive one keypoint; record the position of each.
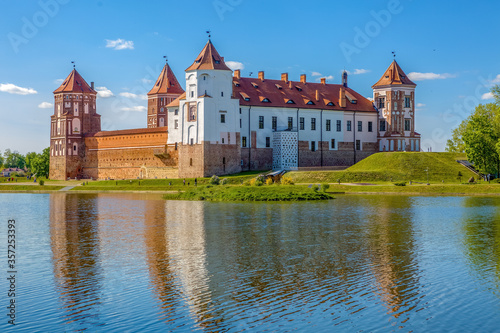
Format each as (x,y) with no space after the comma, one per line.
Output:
(134,262)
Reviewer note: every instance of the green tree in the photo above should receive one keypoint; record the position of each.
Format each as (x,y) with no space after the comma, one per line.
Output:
(456,144)
(14,159)
(1,162)
(41,163)
(30,157)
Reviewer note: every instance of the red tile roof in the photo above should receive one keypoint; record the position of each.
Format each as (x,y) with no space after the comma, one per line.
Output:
(302,95)
(175,102)
(166,83)
(394,75)
(75,83)
(209,58)
(130,131)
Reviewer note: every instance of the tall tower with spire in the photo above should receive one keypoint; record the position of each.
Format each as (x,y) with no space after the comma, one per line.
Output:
(394,97)
(165,90)
(74,117)
(206,119)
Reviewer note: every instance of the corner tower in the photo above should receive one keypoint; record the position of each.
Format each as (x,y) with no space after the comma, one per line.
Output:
(74,117)
(394,97)
(165,90)
(207,119)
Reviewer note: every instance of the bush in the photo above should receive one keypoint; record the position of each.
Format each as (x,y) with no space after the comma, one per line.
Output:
(315,188)
(214,180)
(224,181)
(259,181)
(41,182)
(400,184)
(287,181)
(325,187)
(269,181)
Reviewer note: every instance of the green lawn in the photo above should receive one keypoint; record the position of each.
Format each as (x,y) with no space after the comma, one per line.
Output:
(29,188)
(394,167)
(250,193)
(437,189)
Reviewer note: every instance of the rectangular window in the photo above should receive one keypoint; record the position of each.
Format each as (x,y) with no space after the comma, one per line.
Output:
(301,123)
(275,123)
(407,125)
(328,125)
(261,122)
(244,141)
(370,126)
(360,126)
(333,144)
(313,145)
(407,102)
(290,123)
(313,124)
(395,105)
(176,123)
(268,142)
(240,110)
(223,118)
(381,102)
(349,128)
(176,112)
(358,145)
(339,125)
(382,125)
(221,94)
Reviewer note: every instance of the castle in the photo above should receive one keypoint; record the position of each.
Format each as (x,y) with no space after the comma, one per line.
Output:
(225,123)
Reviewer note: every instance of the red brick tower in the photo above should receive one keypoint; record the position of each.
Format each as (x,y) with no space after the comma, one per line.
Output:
(165,90)
(74,117)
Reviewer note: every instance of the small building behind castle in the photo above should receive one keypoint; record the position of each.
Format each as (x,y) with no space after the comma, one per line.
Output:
(225,123)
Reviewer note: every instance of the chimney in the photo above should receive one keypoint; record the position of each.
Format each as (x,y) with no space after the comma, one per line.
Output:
(290,84)
(342,100)
(323,80)
(237,74)
(261,75)
(92,85)
(344,79)
(303,78)
(317,95)
(284,77)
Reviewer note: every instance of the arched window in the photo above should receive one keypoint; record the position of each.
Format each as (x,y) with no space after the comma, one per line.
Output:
(76,125)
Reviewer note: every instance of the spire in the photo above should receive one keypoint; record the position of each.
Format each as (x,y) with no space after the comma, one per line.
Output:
(75,83)
(394,75)
(209,58)
(166,83)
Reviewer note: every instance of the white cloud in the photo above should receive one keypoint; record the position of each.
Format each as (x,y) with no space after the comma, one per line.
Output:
(496,80)
(131,95)
(103,92)
(120,44)
(329,77)
(488,95)
(420,105)
(234,65)
(45,105)
(59,81)
(316,74)
(138,108)
(415,76)
(146,81)
(360,71)
(13,89)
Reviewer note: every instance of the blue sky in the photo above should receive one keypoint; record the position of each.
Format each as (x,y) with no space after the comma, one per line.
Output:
(449,47)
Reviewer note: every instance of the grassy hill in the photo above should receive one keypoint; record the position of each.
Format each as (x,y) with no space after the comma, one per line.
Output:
(396,166)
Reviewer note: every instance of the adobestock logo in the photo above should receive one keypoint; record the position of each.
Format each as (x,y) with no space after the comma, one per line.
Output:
(30,28)
(373,28)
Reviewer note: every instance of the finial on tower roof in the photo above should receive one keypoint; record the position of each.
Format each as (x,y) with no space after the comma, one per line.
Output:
(73,64)
(209,34)
(166,58)
(394,54)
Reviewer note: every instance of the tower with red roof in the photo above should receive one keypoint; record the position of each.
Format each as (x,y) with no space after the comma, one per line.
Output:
(74,117)
(394,97)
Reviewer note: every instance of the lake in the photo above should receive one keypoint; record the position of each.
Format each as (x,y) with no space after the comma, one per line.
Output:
(136,263)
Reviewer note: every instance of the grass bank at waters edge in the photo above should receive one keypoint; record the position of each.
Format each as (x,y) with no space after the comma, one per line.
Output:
(396,167)
(250,193)
(28,188)
(439,189)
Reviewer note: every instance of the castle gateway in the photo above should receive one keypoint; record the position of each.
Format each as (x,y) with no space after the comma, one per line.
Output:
(225,123)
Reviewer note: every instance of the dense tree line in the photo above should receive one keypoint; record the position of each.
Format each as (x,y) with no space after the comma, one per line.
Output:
(33,163)
(479,136)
